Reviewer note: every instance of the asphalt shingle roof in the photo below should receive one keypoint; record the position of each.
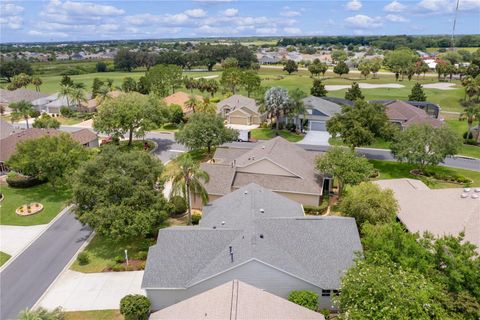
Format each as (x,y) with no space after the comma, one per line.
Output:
(316,249)
(238,101)
(326,107)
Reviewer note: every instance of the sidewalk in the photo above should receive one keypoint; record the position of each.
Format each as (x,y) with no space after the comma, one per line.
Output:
(13,239)
(76,291)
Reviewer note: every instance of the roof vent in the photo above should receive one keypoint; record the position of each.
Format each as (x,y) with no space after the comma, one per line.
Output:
(223,223)
(477,189)
(261,236)
(464,195)
(262,210)
(263,147)
(214,227)
(466,189)
(474,196)
(245,192)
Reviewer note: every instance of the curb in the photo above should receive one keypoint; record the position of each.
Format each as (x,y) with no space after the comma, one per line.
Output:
(64,210)
(67,266)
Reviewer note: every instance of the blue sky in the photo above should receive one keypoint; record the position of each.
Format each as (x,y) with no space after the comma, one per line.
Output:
(63,20)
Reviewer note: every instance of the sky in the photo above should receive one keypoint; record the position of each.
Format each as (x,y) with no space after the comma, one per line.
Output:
(74,20)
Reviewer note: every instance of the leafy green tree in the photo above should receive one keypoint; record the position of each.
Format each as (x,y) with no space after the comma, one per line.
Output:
(365,67)
(163,77)
(290,66)
(37,82)
(341,68)
(345,166)
(354,93)
(277,103)
(47,122)
(129,84)
(115,193)
(304,298)
(42,314)
(96,85)
(176,115)
(135,307)
(368,202)
(361,124)
(417,93)
(101,66)
(317,68)
(11,68)
(375,289)
(230,63)
(20,80)
(130,113)
(424,145)
(250,81)
(205,130)
(231,79)
(50,157)
(21,109)
(125,60)
(399,61)
(318,88)
(339,56)
(470,114)
(187,179)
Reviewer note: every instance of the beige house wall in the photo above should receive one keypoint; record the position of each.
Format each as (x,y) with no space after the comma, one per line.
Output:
(197,201)
(304,199)
(238,120)
(265,166)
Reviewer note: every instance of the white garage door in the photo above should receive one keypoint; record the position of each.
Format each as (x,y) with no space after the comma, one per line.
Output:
(318,126)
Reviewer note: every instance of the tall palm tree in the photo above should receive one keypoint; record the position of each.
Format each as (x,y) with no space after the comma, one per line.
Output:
(66,91)
(277,104)
(206,106)
(470,114)
(78,95)
(187,178)
(22,109)
(37,82)
(192,103)
(297,106)
(103,94)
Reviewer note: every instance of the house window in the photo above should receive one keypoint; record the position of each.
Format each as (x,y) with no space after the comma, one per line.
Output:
(325,293)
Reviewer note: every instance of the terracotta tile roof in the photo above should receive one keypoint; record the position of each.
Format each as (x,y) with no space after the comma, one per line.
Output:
(8,145)
(180,98)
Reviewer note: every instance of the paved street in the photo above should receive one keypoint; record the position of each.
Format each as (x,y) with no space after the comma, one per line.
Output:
(24,280)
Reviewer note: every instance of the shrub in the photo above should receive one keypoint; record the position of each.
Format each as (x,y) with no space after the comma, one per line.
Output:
(16,180)
(472,142)
(66,112)
(83,258)
(119,259)
(118,267)
(141,255)
(470,135)
(290,127)
(317,210)
(135,307)
(179,205)
(71,72)
(304,298)
(196,218)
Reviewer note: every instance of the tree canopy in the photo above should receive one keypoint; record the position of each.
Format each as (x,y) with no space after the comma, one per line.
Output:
(117,195)
(46,121)
(318,88)
(354,93)
(277,103)
(205,130)
(290,66)
(164,77)
(417,93)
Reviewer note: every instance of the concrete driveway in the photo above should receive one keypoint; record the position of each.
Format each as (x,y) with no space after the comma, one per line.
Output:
(316,138)
(13,239)
(76,291)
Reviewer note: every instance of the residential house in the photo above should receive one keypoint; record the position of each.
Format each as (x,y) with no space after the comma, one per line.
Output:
(256,236)
(318,111)
(6,129)
(438,211)
(181,98)
(8,145)
(91,105)
(404,114)
(53,104)
(276,164)
(9,96)
(239,109)
(236,300)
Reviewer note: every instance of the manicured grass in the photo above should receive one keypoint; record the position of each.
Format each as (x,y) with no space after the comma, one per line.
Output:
(69,121)
(461,127)
(267,134)
(168,127)
(3,258)
(53,202)
(103,250)
(94,315)
(377,144)
(396,170)
(138,145)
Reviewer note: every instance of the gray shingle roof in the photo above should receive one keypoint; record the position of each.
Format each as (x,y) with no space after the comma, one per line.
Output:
(7,96)
(324,106)
(238,101)
(315,249)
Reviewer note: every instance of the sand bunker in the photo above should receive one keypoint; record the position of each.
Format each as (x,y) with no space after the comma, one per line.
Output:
(365,86)
(440,86)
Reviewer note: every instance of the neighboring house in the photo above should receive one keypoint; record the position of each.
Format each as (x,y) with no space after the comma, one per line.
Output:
(405,115)
(268,58)
(258,237)
(276,164)
(439,211)
(8,145)
(52,104)
(239,109)
(432,109)
(181,98)
(318,112)
(236,300)
(7,96)
(91,105)
(6,129)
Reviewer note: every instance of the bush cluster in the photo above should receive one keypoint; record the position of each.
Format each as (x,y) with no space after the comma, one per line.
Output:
(196,218)
(135,307)
(179,205)
(16,180)
(304,298)
(449,177)
(83,258)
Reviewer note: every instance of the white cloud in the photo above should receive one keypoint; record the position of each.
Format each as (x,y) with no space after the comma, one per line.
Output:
(395,6)
(434,5)
(291,30)
(288,12)
(230,12)
(12,22)
(86,8)
(10,9)
(447,6)
(354,5)
(361,21)
(10,16)
(48,34)
(395,18)
(266,30)
(196,13)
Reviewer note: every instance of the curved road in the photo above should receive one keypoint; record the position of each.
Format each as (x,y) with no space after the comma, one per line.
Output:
(27,277)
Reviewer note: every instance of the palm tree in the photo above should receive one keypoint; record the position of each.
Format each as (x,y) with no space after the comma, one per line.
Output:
(103,94)
(470,114)
(66,91)
(78,95)
(207,107)
(22,109)
(37,82)
(187,178)
(297,106)
(192,103)
(277,103)
(472,86)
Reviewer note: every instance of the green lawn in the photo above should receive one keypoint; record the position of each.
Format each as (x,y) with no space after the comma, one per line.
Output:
(69,121)
(94,315)
(53,203)
(3,258)
(266,134)
(460,127)
(103,250)
(168,127)
(377,144)
(396,170)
